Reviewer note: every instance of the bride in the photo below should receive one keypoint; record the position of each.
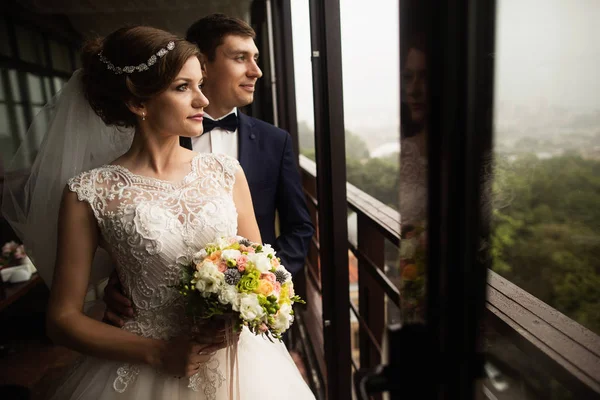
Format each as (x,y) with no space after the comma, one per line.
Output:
(147,201)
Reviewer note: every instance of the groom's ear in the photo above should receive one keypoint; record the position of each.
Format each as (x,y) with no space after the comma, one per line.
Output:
(203,60)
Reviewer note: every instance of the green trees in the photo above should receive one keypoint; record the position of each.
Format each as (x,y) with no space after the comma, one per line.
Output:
(546,231)
(378,177)
(545,221)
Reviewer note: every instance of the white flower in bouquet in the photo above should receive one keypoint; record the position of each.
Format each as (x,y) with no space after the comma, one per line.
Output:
(199,256)
(267,249)
(261,262)
(230,295)
(230,254)
(283,318)
(209,279)
(250,308)
(222,243)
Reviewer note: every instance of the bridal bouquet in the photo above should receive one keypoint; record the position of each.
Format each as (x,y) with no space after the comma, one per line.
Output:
(241,279)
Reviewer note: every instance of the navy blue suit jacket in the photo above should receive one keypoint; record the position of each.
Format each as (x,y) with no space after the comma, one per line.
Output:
(266,155)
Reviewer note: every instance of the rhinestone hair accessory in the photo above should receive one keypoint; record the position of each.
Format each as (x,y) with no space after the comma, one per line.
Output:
(129,69)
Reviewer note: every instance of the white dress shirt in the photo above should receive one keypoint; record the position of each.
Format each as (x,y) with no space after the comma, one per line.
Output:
(218,140)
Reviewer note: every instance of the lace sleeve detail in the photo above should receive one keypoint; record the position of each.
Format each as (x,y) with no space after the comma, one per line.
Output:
(83,185)
(230,167)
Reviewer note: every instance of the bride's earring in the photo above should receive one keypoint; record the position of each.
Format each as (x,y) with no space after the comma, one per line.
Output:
(143,116)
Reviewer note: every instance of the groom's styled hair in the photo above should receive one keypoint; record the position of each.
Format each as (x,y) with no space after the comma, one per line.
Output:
(208,32)
(131,65)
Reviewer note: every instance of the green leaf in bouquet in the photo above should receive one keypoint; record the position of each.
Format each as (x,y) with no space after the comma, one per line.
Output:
(297,299)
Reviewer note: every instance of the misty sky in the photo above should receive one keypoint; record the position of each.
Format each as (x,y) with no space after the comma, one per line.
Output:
(547,52)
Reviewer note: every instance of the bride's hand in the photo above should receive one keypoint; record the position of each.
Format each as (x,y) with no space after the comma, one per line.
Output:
(183,356)
(213,333)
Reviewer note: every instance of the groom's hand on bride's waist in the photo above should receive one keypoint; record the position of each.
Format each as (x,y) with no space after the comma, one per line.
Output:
(214,336)
(118,307)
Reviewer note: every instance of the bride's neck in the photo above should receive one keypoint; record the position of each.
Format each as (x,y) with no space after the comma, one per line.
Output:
(153,151)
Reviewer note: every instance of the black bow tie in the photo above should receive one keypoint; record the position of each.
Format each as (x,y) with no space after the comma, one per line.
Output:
(229,123)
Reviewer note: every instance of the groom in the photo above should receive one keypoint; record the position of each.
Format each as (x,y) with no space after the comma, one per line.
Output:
(263,150)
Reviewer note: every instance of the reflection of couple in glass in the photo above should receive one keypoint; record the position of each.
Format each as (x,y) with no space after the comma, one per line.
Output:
(150,203)
(413,178)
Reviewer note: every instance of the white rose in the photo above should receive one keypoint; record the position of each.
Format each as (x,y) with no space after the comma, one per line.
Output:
(267,249)
(261,263)
(229,295)
(199,256)
(209,278)
(222,243)
(250,309)
(283,318)
(230,254)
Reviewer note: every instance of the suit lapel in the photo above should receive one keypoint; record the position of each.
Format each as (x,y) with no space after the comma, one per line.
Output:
(247,145)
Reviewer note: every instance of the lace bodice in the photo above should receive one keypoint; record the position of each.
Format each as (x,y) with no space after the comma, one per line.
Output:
(148,226)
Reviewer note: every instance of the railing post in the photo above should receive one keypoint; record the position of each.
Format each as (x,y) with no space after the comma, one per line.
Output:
(371,302)
(371,298)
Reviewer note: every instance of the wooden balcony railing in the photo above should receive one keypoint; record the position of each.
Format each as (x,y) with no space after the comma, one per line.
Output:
(553,345)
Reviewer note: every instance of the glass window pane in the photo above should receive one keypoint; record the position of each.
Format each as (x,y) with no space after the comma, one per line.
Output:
(4,126)
(61,59)
(2,87)
(303,77)
(21,133)
(48,88)
(14,85)
(546,227)
(58,83)
(413,168)
(7,140)
(40,128)
(31,45)
(4,38)
(21,125)
(34,85)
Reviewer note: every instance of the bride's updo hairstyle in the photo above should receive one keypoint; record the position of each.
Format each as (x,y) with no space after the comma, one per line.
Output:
(131,65)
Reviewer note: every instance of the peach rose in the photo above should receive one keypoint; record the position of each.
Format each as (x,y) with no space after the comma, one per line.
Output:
(265,287)
(214,257)
(247,249)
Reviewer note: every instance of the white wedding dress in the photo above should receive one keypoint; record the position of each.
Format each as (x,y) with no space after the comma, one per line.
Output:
(147,225)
